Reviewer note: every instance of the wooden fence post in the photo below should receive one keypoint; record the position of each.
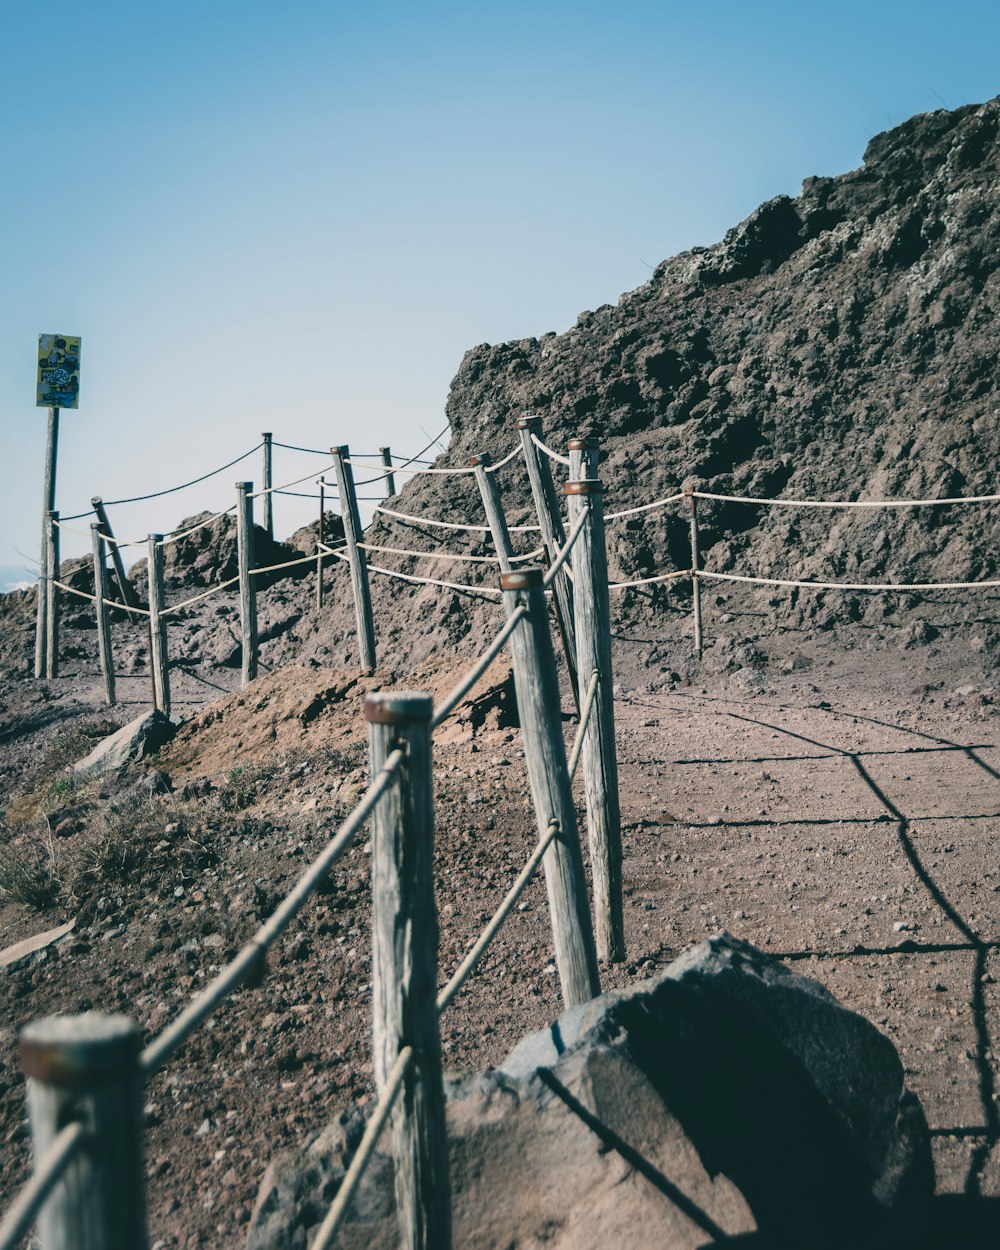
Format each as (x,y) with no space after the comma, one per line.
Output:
(695,581)
(553,533)
(390,477)
(86,1068)
(583,459)
(124,585)
(592,611)
(493,507)
(101,611)
(319,549)
(404,965)
(159,662)
(52,599)
(538,705)
(44,570)
(248,590)
(359,564)
(268,495)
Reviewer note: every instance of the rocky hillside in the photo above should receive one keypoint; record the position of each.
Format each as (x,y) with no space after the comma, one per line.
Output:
(838,345)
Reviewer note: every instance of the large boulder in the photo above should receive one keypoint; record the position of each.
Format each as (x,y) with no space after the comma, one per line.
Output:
(725,1096)
(134,741)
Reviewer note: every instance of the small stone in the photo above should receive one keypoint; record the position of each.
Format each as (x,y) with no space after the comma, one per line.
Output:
(178,891)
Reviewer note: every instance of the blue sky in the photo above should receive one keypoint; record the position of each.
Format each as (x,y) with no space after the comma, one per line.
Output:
(297,217)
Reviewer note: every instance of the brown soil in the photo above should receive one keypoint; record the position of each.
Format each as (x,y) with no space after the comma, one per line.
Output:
(814,812)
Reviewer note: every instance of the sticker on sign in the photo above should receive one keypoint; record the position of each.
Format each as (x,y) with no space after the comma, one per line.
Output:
(58,371)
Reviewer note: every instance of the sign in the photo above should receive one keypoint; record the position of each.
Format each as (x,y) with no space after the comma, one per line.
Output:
(58,371)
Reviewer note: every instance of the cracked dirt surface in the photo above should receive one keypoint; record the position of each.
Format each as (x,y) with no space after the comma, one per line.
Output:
(842,815)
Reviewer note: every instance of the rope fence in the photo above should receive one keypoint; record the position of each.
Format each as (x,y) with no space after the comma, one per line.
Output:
(399,800)
(249,962)
(49,1170)
(172,490)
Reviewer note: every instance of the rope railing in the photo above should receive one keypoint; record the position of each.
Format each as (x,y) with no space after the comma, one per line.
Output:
(171,490)
(108,538)
(177,535)
(450,555)
(249,961)
(511,455)
(111,604)
(362,1156)
(465,968)
(846,503)
(205,594)
(48,1172)
(414,579)
(384,471)
(644,507)
(285,564)
(398,468)
(271,490)
(552,455)
(648,581)
(445,709)
(564,551)
(448,525)
(585,711)
(873,586)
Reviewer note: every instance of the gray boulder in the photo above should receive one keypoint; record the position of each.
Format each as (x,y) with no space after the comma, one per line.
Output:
(134,741)
(725,1096)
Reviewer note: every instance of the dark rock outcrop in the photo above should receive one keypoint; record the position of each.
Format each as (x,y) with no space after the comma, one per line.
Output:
(726,1095)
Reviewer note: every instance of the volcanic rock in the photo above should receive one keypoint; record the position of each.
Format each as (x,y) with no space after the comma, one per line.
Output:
(726,1094)
(134,741)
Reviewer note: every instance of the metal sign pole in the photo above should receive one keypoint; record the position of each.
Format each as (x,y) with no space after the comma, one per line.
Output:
(44,572)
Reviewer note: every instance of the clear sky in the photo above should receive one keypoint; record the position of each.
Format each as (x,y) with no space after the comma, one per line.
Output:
(298,216)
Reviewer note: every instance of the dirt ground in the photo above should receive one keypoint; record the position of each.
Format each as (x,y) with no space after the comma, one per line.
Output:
(833,799)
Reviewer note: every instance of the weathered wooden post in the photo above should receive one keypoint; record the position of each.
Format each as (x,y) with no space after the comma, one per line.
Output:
(592,612)
(553,532)
(44,570)
(356,556)
(52,598)
(493,507)
(695,580)
(101,611)
(390,477)
(404,965)
(268,495)
(86,1068)
(319,549)
(124,585)
(538,704)
(248,590)
(158,660)
(584,454)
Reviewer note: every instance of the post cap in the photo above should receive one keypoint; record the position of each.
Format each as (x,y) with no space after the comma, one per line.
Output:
(266,435)
(96,500)
(522,579)
(589,487)
(480,458)
(76,1050)
(525,423)
(244,485)
(398,707)
(584,444)
(342,450)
